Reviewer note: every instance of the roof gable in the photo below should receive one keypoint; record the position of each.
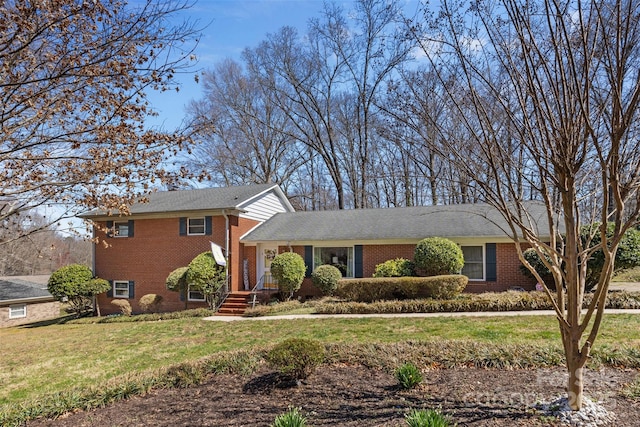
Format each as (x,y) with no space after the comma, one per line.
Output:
(203,199)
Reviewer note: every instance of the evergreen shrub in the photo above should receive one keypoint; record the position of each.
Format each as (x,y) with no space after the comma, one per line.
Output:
(389,288)
(398,267)
(435,256)
(326,278)
(288,269)
(296,358)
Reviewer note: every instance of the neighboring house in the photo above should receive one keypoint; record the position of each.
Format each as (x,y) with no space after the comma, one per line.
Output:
(254,223)
(356,241)
(169,231)
(25,299)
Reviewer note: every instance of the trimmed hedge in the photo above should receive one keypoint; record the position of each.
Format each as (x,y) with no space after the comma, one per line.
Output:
(489,301)
(389,288)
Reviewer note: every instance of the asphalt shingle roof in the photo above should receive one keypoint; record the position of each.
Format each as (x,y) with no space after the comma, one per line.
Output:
(194,200)
(391,223)
(14,289)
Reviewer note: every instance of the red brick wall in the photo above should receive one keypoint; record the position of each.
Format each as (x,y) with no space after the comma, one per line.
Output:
(35,313)
(508,267)
(373,255)
(156,250)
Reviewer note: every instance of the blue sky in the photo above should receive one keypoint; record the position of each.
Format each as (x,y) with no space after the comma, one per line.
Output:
(231,26)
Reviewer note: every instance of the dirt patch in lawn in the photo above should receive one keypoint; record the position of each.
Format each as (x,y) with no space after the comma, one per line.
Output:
(359,396)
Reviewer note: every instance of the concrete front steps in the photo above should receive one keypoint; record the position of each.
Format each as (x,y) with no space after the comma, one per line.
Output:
(235,304)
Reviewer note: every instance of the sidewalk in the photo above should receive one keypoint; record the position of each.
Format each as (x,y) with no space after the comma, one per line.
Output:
(409,315)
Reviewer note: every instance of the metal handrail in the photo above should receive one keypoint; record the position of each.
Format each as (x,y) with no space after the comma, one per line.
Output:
(254,291)
(221,296)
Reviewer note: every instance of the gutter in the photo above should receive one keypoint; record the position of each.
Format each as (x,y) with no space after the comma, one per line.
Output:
(226,247)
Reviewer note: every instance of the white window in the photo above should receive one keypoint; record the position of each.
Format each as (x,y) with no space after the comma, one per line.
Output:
(339,257)
(17,311)
(195,226)
(473,262)
(121,289)
(121,229)
(195,295)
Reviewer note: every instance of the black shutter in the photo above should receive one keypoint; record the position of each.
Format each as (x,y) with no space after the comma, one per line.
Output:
(182,292)
(308,260)
(491,262)
(358,265)
(130,228)
(183,226)
(208,225)
(110,291)
(131,290)
(109,228)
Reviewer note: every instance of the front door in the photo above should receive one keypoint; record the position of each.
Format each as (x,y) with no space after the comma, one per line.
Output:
(266,254)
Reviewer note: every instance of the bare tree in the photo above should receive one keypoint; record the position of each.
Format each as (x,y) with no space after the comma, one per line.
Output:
(245,132)
(549,94)
(370,46)
(73,82)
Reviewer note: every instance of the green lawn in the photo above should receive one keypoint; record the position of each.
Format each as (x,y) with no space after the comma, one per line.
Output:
(40,360)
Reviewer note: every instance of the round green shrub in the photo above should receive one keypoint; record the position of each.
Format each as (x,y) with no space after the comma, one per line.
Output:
(73,282)
(399,267)
(326,278)
(95,286)
(296,358)
(123,305)
(177,279)
(288,269)
(206,276)
(150,303)
(68,281)
(436,256)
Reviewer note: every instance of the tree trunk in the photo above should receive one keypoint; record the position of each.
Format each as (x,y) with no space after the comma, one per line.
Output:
(576,385)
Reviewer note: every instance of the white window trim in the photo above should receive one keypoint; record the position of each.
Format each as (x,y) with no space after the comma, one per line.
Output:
(115,294)
(116,229)
(22,308)
(350,267)
(484,261)
(203,299)
(204,226)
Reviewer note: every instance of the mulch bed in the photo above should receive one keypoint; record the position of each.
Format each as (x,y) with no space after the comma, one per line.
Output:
(359,396)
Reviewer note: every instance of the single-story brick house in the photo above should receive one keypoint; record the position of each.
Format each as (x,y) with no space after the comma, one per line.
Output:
(25,299)
(254,223)
(357,240)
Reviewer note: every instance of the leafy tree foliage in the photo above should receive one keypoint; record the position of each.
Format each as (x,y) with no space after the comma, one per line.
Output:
(288,269)
(74,78)
(204,275)
(435,256)
(627,255)
(75,282)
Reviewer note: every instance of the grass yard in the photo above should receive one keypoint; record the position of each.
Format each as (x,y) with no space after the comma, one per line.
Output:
(42,360)
(630,275)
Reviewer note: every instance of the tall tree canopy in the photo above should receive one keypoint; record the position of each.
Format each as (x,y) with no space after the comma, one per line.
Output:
(74,77)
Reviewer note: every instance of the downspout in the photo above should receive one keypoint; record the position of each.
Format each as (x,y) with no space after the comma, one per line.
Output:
(226,249)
